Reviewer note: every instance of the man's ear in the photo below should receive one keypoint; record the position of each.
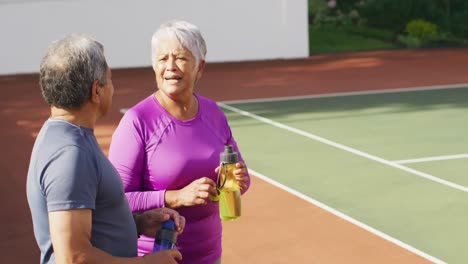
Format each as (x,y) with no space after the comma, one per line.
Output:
(95,92)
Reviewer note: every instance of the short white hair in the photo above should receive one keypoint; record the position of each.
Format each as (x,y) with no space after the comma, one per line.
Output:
(188,35)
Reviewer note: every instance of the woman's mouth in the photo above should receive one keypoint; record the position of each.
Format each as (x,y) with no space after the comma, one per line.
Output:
(172,78)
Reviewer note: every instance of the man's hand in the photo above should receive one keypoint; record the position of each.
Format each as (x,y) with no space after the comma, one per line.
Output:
(163,257)
(149,222)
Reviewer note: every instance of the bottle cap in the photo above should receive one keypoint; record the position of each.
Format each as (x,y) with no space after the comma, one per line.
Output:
(228,156)
(169,224)
(167,232)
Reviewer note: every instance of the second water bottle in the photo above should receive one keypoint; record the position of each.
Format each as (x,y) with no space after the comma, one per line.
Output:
(166,238)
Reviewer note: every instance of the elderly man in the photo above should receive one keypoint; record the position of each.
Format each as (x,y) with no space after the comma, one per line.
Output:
(78,205)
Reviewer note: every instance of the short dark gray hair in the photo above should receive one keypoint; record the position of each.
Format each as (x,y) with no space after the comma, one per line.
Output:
(186,33)
(69,69)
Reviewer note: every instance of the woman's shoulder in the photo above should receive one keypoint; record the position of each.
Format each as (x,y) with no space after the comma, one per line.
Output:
(144,111)
(211,112)
(144,107)
(208,103)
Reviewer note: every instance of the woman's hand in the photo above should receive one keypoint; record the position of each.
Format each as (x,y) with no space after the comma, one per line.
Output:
(200,191)
(240,173)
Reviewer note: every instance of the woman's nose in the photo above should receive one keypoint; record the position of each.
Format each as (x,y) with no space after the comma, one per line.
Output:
(170,64)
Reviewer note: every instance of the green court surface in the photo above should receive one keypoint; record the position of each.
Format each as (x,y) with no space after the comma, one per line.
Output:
(342,151)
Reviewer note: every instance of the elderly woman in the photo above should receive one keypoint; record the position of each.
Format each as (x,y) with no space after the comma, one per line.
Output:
(166,148)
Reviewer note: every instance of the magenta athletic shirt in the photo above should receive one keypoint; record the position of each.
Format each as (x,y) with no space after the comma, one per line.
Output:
(154,152)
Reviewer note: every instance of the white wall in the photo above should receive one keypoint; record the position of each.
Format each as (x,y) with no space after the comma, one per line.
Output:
(234,30)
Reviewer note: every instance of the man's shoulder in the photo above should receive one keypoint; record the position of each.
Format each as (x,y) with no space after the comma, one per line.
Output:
(57,135)
(65,132)
(61,148)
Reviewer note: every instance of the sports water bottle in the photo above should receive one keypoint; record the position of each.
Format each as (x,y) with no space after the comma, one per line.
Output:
(229,190)
(166,237)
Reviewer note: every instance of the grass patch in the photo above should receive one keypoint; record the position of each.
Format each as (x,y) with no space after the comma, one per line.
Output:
(335,39)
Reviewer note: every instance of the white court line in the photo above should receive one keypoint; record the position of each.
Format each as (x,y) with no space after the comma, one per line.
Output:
(426,159)
(346,217)
(346,148)
(326,95)
(368,92)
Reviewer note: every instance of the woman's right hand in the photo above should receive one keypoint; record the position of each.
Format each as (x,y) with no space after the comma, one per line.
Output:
(200,191)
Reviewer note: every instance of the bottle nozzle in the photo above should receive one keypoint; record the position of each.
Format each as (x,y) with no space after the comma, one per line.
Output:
(229,155)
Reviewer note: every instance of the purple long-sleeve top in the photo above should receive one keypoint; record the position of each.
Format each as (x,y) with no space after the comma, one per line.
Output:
(154,152)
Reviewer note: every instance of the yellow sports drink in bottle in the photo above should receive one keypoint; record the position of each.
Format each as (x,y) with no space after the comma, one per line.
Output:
(229,190)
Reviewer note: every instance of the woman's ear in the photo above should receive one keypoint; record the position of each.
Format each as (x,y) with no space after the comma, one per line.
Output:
(201,67)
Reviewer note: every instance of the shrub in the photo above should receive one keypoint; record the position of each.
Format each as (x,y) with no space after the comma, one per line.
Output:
(317,6)
(459,23)
(421,29)
(410,41)
(394,14)
(338,19)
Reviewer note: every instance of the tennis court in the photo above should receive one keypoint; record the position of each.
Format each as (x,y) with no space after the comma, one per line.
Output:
(392,160)
(330,185)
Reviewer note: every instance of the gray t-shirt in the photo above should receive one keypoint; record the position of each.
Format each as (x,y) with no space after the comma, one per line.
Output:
(69,171)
